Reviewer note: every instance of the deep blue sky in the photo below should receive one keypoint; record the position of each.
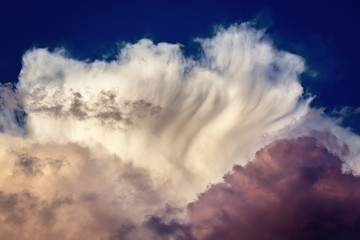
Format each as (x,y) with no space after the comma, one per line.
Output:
(326,34)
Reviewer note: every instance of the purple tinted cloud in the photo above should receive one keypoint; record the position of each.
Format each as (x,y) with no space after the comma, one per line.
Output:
(294,189)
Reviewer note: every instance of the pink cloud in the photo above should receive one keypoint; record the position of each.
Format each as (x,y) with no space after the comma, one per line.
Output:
(294,189)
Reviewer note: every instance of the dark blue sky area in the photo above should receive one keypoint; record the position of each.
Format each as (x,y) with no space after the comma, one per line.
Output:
(326,34)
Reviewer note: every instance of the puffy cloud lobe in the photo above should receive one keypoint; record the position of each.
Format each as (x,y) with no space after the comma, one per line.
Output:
(21,212)
(68,191)
(338,140)
(294,189)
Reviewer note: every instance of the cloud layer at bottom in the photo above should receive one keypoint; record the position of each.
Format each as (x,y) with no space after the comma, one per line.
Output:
(294,189)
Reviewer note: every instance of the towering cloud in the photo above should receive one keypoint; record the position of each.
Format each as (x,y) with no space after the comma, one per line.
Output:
(117,150)
(162,111)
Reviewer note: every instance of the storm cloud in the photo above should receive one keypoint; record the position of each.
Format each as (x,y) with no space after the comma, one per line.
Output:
(118,149)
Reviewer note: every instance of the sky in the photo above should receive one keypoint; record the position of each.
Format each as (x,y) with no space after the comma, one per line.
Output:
(186,121)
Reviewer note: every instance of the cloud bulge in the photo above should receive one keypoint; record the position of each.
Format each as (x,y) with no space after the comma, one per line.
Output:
(294,189)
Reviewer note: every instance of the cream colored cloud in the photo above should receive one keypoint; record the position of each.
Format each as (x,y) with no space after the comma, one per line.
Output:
(110,145)
(66,191)
(179,117)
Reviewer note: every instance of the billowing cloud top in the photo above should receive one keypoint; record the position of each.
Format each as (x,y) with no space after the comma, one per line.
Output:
(294,189)
(154,107)
(116,150)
